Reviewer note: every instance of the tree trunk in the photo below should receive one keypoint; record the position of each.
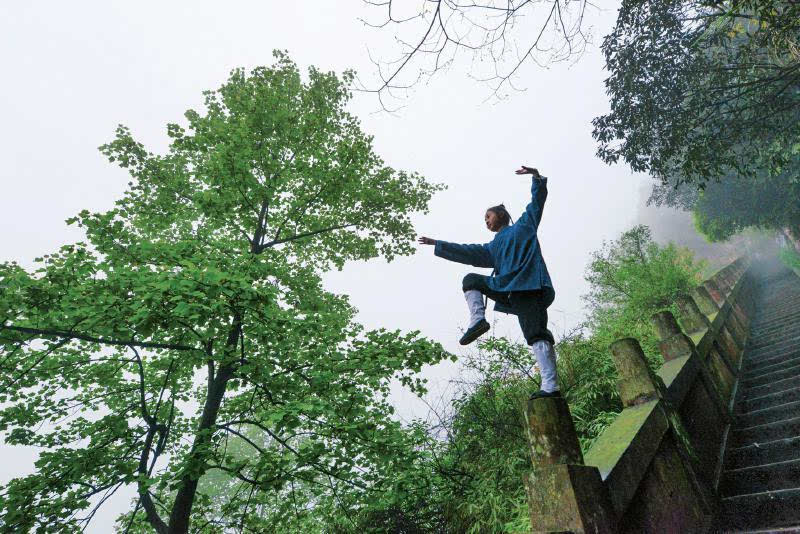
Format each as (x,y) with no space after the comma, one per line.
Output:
(182,507)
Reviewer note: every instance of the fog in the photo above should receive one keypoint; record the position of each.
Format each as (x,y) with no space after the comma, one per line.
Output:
(677,226)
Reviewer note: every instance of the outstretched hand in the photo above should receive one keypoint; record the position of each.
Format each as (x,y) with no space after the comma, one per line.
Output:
(426,241)
(527,170)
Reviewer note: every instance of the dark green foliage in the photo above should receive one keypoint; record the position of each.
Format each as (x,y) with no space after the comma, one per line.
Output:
(734,204)
(701,89)
(704,97)
(727,208)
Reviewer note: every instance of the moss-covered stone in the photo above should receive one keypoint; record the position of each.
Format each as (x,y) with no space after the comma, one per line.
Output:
(704,301)
(551,433)
(692,319)
(637,383)
(623,452)
(568,498)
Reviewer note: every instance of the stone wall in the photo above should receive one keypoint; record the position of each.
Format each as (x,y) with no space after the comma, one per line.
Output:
(656,468)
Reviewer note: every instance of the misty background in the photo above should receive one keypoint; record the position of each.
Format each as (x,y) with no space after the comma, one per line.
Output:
(73,71)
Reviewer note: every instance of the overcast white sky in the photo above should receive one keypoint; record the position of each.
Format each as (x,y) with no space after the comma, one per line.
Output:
(73,70)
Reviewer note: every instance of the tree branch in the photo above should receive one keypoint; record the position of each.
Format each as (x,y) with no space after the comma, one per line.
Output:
(93,339)
(300,236)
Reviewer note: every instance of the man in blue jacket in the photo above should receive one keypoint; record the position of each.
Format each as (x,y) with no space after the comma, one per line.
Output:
(521,284)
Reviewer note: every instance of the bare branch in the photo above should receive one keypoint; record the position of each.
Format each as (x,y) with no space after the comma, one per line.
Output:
(493,29)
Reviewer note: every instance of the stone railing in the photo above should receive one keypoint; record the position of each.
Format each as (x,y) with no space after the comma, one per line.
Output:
(657,466)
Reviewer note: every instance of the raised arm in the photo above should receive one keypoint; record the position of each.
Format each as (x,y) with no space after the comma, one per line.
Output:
(535,208)
(475,255)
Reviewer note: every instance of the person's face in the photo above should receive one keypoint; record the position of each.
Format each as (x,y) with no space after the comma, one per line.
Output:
(492,221)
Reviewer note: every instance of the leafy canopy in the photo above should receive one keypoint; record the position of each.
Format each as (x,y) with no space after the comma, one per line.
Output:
(193,315)
(703,88)
(734,204)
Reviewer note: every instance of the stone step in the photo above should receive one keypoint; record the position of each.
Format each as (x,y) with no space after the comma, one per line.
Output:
(769,414)
(777,530)
(753,364)
(773,333)
(772,509)
(760,331)
(759,367)
(778,293)
(778,289)
(760,325)
(770,302)
(779,385)
(766,328)
(769,452)
(759,478)
(776,304)
(768,400)
(786,428)
(778,347)
(759,344)
(767,314)
(784,530)
(779,319)
(788,330)
(768,377)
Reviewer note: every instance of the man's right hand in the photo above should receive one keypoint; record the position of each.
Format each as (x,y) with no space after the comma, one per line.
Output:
(527,170)
(426,241)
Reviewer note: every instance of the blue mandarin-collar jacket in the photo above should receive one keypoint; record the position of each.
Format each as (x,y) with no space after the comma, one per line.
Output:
(514,253)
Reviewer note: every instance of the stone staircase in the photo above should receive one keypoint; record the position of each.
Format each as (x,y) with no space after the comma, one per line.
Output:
(760,483)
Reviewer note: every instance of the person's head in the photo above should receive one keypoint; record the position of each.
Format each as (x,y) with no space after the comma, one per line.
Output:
(497,218)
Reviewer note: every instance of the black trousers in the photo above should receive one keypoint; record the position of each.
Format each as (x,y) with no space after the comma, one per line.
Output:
(530,307)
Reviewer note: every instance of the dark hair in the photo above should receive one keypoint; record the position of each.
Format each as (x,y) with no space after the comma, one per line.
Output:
(502,214)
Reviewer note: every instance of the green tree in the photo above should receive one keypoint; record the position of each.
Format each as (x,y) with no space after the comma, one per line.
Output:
(702,89)
(194,312)
(633,277)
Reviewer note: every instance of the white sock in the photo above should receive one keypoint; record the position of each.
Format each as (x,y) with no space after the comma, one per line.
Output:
(546,360)
(477,310)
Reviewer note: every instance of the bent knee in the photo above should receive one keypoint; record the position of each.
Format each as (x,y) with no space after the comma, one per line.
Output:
(472,281)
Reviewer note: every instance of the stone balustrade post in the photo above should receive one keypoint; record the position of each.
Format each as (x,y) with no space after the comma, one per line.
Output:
(740,266)
(692,319)
(673,342)
(729,277)
(638,385)
(714,292)
(716,375)
(564,495)
(739,318)
(736,323)
(704,301)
